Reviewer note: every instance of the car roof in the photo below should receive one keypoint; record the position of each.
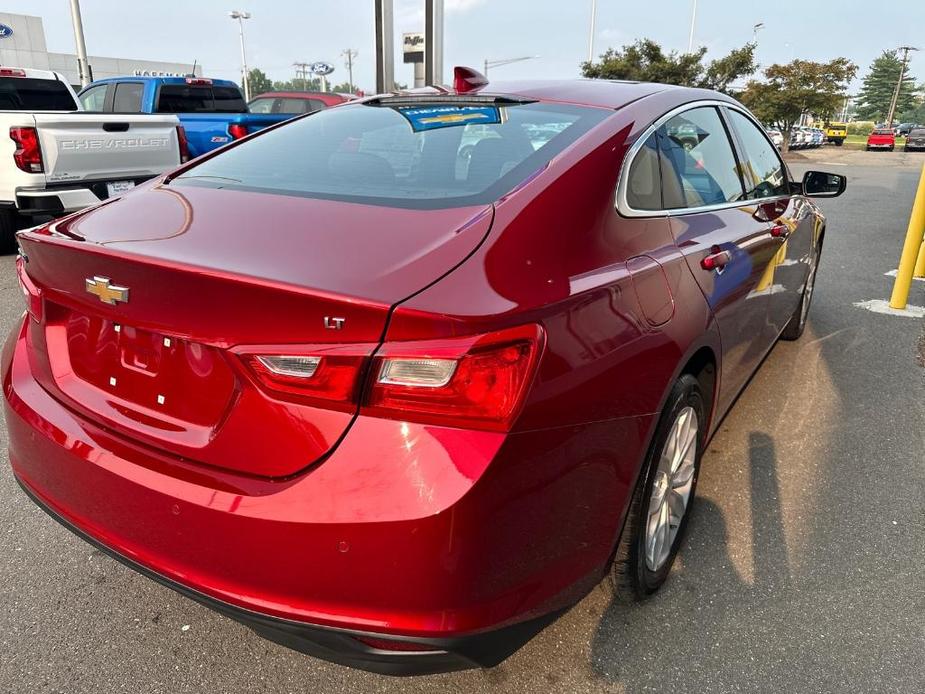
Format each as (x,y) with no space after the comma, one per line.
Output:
(165,80)
(594,92)
(323,96)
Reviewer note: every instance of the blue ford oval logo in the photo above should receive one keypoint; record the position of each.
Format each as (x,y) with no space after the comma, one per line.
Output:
(321,68)
(5,31)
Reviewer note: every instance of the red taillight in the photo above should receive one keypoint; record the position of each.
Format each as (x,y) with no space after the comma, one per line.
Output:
(477,382)
(183,143)
(324,375)
(32,293)
(237,131)
(28,154)
(11,72)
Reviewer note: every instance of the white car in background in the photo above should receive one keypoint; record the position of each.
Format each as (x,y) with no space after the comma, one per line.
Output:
(55,159)
(776,137)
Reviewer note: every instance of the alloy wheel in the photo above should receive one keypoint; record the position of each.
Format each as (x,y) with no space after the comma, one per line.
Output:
(671,488)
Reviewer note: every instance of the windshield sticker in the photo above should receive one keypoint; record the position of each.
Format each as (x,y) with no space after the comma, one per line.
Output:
(433,117)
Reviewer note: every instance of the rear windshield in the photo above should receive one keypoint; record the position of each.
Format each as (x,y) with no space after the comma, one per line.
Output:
(186,98)
(28,94)
(883,132)
(917,132)
(419,156)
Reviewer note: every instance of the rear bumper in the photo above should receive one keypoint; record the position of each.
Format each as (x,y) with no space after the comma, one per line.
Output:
(346,646)
(58,199)
(464,544)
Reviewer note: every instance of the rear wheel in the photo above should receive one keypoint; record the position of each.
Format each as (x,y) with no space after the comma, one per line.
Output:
(797,323)
(7,231)
(658,513)
(891,147)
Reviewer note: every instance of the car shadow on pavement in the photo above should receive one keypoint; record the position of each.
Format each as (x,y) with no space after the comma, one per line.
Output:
(675,640)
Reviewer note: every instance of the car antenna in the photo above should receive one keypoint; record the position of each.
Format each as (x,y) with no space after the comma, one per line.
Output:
(193,73)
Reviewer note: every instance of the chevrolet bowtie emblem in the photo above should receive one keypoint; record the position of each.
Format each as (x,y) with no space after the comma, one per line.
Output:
(103,289)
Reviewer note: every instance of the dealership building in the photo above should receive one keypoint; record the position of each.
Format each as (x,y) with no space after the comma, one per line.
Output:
(22,44)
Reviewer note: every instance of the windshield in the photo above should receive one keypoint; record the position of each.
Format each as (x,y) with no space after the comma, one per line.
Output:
(421,156)
(185,98)
(28,94)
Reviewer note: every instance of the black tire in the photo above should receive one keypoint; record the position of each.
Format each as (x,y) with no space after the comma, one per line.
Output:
(868,148)
(797,323)
(905,149)
(839,143)
(891,148)
(631,576)
(8,220)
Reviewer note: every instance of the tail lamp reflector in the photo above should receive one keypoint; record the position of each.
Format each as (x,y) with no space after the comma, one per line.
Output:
(27,155)
(183,144)
(476,381)
(237,131)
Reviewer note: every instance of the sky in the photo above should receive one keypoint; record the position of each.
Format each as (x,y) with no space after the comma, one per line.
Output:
(282,32)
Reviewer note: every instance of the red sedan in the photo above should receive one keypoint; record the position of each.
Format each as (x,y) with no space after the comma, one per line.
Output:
(399,407)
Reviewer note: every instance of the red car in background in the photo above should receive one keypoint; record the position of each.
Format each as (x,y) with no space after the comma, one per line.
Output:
(296,102)
(882,138)
(398,407)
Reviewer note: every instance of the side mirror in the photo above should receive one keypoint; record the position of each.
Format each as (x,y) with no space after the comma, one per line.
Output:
(819,184)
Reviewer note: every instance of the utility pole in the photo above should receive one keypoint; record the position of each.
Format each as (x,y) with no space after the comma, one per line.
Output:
(349,55)
(899,84)
(83,65)
(301,69)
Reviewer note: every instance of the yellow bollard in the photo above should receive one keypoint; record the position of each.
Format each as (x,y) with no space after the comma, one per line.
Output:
(914,237)
(920,265)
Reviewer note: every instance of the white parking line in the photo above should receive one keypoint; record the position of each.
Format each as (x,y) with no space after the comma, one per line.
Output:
(881,306)
(892,273)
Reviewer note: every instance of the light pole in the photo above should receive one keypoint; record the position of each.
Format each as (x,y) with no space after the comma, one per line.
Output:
(241,16)
(505,61)
(690,39)
(899,84)
(591,31)
(755,29)
(83,65)
(349,55)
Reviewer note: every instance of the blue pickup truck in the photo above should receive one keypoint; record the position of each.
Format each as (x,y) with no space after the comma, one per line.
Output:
(212,112)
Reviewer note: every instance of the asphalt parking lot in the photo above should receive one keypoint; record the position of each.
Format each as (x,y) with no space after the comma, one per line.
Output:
(802,571)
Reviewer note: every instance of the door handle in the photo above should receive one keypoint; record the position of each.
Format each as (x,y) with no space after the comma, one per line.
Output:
(717,260)
(780,231)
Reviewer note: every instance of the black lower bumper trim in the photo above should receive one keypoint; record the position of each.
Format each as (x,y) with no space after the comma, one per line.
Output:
(344,646)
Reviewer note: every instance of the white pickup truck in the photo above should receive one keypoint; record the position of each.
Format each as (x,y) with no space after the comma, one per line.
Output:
(54,159)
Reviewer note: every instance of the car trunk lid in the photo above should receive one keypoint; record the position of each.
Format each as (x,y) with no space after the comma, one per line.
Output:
(149,300)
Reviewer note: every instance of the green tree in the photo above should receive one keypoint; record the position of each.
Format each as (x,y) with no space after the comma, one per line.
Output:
(343,87)
(880,83)
(646,61)
(258,82)
(298,85)
(799,87)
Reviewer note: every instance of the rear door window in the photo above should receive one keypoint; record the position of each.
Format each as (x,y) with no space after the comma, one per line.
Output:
(299,105)
(762,169)
(644,183)
(94,99)
(261,105)
(700,163)
(127,98)
(29,94)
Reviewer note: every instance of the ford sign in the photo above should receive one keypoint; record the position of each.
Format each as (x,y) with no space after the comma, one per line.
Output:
(5,31)
(321,68)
